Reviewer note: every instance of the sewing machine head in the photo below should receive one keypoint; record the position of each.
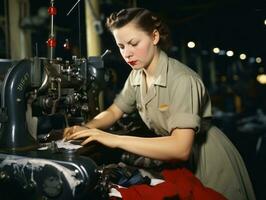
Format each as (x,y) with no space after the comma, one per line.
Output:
(67,88)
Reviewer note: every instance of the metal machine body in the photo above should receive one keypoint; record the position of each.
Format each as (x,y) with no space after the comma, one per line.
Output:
(42,175)
(36,88)
(53,86)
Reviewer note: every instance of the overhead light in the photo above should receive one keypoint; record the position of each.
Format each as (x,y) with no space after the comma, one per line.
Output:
(264,21)
(242,56)
(191,44)
(216,50)
(229,53)
(258,60)
(261,78)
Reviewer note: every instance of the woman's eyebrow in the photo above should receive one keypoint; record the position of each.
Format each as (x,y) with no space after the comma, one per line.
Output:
(130,41)
(119,43)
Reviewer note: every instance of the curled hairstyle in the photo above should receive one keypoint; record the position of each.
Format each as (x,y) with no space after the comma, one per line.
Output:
(144,19)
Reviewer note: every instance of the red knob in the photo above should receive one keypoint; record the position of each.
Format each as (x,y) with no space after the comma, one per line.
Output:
(51,42)
(52,10)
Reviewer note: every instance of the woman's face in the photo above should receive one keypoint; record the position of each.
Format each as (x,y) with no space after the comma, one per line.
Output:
(137,47)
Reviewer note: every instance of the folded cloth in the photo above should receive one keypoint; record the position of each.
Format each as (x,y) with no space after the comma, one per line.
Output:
(179,184)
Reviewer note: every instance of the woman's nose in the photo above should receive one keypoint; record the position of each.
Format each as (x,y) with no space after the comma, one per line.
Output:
(128,53)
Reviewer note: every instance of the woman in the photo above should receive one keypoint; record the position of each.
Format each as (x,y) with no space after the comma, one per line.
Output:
(173,102)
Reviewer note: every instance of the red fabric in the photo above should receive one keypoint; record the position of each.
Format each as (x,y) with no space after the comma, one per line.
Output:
(179,184)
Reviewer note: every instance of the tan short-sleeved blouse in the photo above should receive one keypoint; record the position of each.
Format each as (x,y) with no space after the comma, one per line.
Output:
(178,99)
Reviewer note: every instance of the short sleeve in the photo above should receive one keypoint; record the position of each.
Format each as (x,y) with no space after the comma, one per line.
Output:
(126,99)
(189,103)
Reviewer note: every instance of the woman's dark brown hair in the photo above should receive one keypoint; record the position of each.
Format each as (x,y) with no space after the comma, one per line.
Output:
(144,19)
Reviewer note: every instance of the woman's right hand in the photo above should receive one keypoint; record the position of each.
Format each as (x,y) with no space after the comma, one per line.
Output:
(71,130)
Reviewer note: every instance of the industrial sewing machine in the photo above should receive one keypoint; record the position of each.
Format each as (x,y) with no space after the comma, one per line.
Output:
(69,88)
(32,166)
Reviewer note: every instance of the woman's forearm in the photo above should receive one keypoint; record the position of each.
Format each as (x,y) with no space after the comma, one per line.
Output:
(106,118)
(175,147)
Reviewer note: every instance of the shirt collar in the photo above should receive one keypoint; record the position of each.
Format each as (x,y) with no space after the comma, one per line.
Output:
(161,70)
(160,73)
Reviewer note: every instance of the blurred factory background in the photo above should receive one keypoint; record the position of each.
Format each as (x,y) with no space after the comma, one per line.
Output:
(224,41)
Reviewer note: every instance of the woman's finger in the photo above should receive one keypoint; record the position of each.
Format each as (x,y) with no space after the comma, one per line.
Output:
(88,140)
(66,132)
(81,134)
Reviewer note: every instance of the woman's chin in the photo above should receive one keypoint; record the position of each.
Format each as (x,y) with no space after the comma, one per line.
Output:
(136,67)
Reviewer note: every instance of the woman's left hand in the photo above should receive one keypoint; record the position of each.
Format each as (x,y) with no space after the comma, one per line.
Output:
(105,138)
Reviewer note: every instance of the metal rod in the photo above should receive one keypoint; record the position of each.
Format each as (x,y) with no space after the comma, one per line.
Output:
(80,47)
(73,7)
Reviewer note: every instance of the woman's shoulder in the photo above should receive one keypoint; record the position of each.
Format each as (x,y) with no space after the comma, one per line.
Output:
(178,70)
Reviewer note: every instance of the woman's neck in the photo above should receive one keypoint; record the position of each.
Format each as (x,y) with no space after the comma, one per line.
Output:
(151,68)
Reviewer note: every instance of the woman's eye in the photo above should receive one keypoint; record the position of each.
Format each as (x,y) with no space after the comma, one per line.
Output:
(134,44)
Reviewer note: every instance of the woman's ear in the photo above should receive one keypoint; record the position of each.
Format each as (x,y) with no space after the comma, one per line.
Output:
(155,37)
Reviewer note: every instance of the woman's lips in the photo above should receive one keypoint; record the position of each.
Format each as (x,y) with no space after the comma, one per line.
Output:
(132,62)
